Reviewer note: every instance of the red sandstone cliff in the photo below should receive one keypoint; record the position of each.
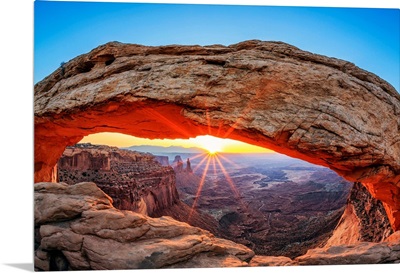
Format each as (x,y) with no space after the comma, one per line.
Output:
(135,181)
(364,220)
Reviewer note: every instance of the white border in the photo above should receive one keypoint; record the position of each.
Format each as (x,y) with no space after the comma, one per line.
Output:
(16,70)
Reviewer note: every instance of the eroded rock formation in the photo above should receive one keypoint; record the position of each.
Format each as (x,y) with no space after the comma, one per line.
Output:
(364,220)
(323,110)
(77,228)
(135,181)
(163,160)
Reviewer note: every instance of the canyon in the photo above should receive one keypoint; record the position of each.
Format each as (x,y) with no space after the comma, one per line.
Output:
(273,204)
(271,94)
(135,181)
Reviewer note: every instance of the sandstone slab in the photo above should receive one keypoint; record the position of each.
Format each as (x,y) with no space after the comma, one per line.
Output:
(360,253)
(97,236)
(272,261)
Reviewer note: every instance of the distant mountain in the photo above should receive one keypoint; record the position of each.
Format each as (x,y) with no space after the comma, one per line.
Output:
(165,150)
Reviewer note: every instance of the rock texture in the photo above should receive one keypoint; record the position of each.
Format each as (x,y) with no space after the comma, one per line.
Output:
(323,110)
(360,253)
(135,181)
(77,228)
(364,220)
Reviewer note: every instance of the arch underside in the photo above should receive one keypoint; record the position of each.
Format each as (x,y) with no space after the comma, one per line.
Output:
(322,110)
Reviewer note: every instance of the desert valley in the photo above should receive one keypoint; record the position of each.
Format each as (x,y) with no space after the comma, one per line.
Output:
(271,203)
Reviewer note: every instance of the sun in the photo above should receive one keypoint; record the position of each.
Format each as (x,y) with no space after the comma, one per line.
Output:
(212,144)
(212,150)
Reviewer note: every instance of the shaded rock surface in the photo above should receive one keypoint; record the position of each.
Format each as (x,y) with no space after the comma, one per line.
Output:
(98,236)
(323,110)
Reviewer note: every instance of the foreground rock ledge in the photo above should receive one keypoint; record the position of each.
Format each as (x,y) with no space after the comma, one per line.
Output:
(77,228)
(322,110)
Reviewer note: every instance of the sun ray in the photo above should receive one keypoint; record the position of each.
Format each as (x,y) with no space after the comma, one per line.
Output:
(197,156)
(201,163)
(228,178)
(220,125)
(199,188)
(168,122)
(229,161)
(214,166)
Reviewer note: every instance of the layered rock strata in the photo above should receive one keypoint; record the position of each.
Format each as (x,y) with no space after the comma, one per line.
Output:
(77,228)
(135,181)
(364,220)
(322,110)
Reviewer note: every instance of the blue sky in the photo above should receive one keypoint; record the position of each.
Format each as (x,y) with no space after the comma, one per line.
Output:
(368,37)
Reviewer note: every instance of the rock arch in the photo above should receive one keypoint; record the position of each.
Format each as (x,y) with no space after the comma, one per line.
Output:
(322,110)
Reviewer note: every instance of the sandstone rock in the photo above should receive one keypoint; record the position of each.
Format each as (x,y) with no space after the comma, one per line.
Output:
(135,181)
(364,220)
(395,237)
(323,110)
(361,253)
(143,254)
(210,260)
(58,202)
(271,261)
(98,236)
(163,160)
(102,237)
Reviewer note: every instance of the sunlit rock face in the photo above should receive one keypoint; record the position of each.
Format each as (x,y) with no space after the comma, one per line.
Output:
(364,219)
(322,110)
(135,181)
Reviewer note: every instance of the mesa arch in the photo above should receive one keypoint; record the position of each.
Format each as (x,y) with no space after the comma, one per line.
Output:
(319,109)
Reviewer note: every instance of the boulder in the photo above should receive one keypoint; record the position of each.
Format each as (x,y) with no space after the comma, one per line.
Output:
(94,235)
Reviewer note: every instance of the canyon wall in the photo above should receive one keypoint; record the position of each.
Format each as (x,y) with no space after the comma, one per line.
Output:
(364,220)
(323,110)
(135,181)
